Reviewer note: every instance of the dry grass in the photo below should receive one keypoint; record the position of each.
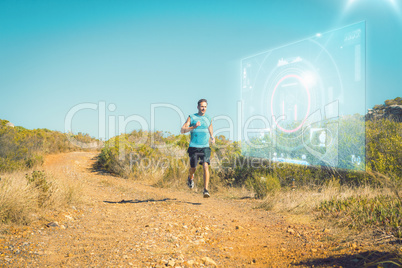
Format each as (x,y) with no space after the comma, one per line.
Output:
(22,200)
(300,204)
(67,192)
(305,200)
(17,199)
(151,177)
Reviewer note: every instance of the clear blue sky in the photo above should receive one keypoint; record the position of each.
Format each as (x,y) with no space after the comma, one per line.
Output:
(55,55)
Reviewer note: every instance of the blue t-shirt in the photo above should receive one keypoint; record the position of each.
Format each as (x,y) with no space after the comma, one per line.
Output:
(200,135)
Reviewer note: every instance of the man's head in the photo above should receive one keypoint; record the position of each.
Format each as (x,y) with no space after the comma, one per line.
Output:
(202,106)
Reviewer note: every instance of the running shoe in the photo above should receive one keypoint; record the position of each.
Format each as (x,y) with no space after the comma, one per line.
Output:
(190,182)
(206,193)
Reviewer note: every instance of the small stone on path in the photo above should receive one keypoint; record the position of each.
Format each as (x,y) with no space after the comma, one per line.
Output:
(208,261)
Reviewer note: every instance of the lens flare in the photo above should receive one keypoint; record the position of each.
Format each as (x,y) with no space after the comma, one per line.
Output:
(392,3)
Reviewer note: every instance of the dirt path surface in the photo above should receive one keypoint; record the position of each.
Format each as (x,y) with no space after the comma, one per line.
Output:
(124,223)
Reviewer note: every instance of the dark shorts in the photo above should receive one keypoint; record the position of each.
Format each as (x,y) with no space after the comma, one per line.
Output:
(199,155)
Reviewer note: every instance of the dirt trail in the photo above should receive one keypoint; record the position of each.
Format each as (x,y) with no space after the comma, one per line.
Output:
(123,223)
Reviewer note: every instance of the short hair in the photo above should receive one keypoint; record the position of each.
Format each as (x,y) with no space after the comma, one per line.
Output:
(202,100)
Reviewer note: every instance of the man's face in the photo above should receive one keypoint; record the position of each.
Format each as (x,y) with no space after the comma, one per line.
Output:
(202,108)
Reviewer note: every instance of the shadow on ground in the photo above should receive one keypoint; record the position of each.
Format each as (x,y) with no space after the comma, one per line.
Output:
(362,259)
(95,168)
(136,201)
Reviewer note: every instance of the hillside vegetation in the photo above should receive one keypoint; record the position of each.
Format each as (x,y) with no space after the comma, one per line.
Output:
(22,148)
(354,198)
(26,191)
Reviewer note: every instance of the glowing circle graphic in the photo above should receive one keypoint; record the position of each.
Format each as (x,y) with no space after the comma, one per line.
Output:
(303,82)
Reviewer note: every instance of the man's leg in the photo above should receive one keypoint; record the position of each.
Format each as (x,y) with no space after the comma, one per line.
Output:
(206,175)
(191,172)
(205,165)
(190,179)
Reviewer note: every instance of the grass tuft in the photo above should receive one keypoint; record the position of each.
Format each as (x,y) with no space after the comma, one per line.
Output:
(23,195)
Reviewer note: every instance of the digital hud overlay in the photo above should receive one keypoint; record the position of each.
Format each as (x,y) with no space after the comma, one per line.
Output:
(303,103)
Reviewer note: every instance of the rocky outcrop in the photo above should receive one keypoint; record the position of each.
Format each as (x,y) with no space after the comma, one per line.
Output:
(389,111)
(9,124)
(5,123)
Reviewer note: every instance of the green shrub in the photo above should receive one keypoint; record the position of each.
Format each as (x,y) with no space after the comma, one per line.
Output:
(396,101)
(384,147)
(262,185)
(39,181)
(174,174)
(34,161)
(360,212)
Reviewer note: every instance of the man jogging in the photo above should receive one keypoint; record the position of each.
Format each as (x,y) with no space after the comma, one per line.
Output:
(200,126)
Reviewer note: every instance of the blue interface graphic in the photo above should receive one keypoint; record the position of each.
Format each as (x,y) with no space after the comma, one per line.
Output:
(303,103)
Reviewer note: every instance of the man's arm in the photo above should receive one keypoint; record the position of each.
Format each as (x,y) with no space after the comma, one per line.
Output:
(211,132)
(186,127)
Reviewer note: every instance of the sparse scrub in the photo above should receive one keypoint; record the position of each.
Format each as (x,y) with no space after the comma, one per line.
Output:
(173,173)
(263,185)
(69,193)
(383,211)
(132,156)
(39,181)
(17,200)
(22,195)
(305,200)
(384,148)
